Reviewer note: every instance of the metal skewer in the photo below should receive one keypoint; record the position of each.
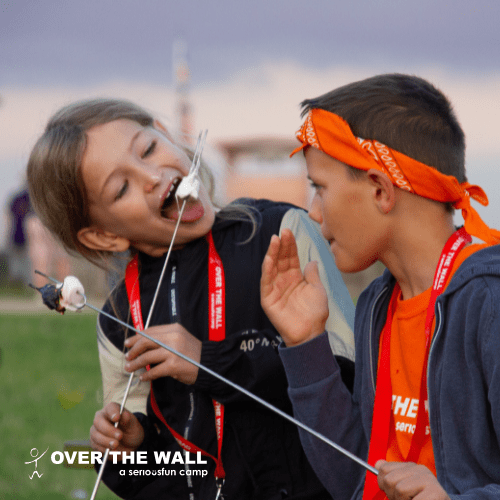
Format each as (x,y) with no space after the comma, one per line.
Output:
(196,161)
(195,164)
(238,388)
(192,174)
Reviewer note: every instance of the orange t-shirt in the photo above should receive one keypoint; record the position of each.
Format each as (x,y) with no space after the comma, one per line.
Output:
(406,362)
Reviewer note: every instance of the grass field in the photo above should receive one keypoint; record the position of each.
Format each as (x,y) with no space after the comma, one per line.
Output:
(50,388)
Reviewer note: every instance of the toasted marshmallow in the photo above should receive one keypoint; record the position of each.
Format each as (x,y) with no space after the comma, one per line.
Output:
(72,294)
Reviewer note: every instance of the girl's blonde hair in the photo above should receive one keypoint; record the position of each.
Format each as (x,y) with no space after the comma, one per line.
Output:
(54,172)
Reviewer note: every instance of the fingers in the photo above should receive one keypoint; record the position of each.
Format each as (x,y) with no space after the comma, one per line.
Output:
(138,344)
(311,274)
(268,276)
(274,247)
(158,372)
(103,433)
(131,341)
(151,357)
(288,256)
(144,352)
(269,265)
(281,256)
(408,481)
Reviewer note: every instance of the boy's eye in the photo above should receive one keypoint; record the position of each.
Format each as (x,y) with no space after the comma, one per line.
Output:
(150,149)
(122,191)
(315,186)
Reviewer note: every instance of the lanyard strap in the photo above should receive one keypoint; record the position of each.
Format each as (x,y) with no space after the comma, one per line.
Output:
(382,411)
(216,332)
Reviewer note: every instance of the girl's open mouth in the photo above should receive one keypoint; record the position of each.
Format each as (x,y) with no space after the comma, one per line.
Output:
(170,200)
(171,207)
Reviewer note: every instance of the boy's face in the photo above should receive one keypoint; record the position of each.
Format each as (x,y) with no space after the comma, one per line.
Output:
(344,207)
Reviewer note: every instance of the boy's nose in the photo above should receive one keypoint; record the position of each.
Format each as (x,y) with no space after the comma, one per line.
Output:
(315,211)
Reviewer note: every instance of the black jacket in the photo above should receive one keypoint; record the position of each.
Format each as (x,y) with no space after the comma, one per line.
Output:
(261,452)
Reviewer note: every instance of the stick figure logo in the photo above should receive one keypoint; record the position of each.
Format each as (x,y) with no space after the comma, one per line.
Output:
(34,454)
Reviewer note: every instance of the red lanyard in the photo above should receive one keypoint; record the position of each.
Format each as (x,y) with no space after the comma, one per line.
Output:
(216,332)
(382,410)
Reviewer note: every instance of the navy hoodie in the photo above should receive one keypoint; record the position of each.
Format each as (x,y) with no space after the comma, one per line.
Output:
(463,386)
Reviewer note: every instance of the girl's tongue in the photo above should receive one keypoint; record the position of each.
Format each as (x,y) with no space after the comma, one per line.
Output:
(191,213)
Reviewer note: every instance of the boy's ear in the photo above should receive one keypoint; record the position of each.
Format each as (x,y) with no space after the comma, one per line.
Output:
(95,239)
(383,190)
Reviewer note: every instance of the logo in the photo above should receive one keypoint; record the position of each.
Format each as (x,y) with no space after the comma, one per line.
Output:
(34,454)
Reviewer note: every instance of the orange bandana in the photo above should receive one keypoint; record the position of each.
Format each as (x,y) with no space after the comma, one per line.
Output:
(332,135)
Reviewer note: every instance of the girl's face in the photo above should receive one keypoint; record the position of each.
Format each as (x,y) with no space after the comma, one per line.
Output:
(130,174)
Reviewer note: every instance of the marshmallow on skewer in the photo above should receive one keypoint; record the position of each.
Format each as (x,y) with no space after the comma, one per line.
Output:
(72,294)
(189,187)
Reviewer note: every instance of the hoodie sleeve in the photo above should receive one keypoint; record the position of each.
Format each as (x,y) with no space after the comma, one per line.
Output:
(322,401)
(115,378)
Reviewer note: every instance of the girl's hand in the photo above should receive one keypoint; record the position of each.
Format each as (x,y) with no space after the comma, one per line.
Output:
(401,481)
(296,303)
(126,437)
(143,352)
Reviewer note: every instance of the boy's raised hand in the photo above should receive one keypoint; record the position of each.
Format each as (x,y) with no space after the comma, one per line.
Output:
(407,480)
(295,303)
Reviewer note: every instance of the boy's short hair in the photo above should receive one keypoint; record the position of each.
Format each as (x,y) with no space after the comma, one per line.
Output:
(404,112)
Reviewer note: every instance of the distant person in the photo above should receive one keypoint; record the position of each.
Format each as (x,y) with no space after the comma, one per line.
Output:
(19,266)
(386,157)
(113,172)
(46,254)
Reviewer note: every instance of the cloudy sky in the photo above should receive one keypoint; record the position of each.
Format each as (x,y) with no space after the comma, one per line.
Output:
(251,63)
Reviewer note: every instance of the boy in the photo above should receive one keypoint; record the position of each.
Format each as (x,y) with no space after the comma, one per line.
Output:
(386,158)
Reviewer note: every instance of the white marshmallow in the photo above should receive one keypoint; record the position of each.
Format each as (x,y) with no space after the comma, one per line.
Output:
(189,187)
(72,294)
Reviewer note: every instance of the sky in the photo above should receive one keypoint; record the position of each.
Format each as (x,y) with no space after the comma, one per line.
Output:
(251,63)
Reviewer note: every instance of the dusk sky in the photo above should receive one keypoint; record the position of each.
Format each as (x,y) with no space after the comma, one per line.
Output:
(251,63)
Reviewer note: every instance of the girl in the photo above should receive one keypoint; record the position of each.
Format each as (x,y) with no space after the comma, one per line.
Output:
(103,178)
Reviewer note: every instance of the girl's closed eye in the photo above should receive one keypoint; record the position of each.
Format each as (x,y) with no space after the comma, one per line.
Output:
(122,190)
(150,149)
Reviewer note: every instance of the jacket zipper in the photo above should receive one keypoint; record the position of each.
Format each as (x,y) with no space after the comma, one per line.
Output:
(372,370)
(437,331)
(175,317)
(434,337)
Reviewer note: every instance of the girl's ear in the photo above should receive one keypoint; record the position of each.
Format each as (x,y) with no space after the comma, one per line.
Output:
(384,194)
(95,239)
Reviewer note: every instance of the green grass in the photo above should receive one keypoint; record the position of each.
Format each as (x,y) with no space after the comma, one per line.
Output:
(50,388)
(16,290)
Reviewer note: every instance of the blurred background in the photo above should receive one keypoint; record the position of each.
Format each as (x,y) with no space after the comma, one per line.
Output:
(239,69)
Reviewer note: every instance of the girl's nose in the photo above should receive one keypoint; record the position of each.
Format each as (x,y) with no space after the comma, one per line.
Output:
(152,177)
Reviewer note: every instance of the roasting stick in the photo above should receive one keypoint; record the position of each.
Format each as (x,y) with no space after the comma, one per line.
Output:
(237,387)
(189,187)
(194,168)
